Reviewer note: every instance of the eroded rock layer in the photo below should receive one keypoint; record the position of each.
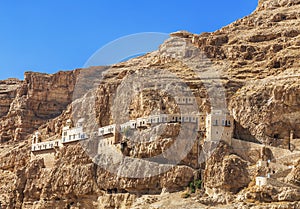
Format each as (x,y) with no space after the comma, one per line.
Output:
(252,65)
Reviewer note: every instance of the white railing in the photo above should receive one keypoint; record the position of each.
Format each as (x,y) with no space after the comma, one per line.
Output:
(141,122)
(132,124)
(45,145)
(74,138)
(111,129)
(77,134)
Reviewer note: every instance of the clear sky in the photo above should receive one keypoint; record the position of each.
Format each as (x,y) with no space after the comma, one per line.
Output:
(52,35)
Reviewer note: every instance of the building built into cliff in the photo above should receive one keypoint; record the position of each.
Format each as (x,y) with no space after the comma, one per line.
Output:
(219,126)
(73,134)
(215,126)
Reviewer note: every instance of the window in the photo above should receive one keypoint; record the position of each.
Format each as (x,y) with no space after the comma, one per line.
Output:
(223,122)
(215,123)
(65,133)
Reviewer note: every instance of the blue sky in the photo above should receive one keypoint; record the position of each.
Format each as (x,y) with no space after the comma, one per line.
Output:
(48,36)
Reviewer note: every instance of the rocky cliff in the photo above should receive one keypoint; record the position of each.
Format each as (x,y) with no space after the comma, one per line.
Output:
(33,102)
(252,64)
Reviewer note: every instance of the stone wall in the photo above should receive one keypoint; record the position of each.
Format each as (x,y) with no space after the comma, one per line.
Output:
(49,157)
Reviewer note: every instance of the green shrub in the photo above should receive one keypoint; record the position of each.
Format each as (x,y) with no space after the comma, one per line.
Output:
(192,187)
(196,184)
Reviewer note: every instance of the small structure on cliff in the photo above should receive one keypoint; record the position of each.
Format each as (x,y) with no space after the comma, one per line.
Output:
(219,126)
(261,181)
(45,150)
(109,136)
(73,134)
(38,145)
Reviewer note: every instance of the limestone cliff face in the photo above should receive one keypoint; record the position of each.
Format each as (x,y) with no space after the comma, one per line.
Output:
(271,5)
(8,91)
(39,98)
(225,171)
(269,108)
(257,62)
(262,55)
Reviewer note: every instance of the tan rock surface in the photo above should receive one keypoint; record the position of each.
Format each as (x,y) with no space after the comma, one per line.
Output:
(258,61)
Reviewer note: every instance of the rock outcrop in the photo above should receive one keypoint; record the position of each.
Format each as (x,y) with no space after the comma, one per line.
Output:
(252,64)
(225,172)
(8,91)
(33,102)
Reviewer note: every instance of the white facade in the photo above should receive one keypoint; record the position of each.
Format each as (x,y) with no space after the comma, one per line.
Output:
(73,134)
(109,141)
(261,181)
(132,124)
(106,130)
(185,100)
(174,118)
(162,118)
(219,126)
(154,119)
(36,137)
(80,122)
(188,118)
(141,122)
(45,145)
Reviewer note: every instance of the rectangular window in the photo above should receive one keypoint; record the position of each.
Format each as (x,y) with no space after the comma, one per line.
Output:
(223,122)
(215,123)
